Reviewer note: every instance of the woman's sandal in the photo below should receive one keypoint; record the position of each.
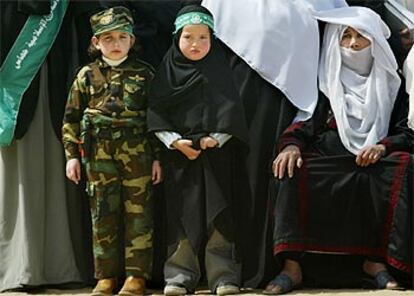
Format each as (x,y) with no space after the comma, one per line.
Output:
(382,278)
(284,282)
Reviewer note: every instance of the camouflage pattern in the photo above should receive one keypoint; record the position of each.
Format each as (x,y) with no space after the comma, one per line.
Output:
(106,107)
(119,184)
(102,98)
(117,18)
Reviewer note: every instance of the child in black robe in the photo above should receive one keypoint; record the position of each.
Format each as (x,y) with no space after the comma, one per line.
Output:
(195,110)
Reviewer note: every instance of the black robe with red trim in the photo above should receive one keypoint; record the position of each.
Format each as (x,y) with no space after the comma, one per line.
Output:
(332,205)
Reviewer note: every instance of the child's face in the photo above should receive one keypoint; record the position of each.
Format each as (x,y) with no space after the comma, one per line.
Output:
(195,42)
(114,45)
(354,40)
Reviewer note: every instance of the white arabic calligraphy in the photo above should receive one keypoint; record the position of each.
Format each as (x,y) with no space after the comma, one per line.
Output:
(43,23)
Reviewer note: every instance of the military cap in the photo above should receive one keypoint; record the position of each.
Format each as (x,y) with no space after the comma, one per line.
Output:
(116,18)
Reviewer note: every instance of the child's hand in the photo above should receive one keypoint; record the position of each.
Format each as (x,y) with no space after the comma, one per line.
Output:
(208,142)
(73,170)
(184,146)
(156,172)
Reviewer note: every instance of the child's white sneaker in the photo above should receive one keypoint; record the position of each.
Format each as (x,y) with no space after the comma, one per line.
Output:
(174,290)
(227,289)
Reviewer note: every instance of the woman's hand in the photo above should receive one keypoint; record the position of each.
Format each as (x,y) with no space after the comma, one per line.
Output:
(156,172)
(370,155)
(208,142)
(73,170)
(287,159)
(185,147)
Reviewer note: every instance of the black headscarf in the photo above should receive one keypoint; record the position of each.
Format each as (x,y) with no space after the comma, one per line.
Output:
(195,98)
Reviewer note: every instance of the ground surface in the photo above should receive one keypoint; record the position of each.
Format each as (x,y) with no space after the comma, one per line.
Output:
(308,292)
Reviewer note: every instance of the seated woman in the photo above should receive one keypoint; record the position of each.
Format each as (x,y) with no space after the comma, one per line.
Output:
(345,175)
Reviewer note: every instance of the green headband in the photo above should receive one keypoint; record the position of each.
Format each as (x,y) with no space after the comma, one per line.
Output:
(193,18)
(123,28)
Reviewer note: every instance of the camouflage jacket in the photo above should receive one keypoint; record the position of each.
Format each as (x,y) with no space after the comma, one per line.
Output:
(113,97)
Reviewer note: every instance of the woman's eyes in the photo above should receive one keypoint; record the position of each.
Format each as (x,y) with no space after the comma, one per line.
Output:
(358,36)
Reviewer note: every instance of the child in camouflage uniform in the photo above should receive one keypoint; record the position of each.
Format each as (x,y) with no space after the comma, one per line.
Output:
(105,126)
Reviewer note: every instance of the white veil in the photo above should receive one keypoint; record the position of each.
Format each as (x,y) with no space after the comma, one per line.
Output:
(362,105)
(277,38)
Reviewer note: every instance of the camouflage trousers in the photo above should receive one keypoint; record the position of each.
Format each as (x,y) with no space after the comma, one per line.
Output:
(119,186)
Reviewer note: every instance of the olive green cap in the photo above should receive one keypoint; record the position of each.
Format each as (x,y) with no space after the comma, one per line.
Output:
(117,18)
